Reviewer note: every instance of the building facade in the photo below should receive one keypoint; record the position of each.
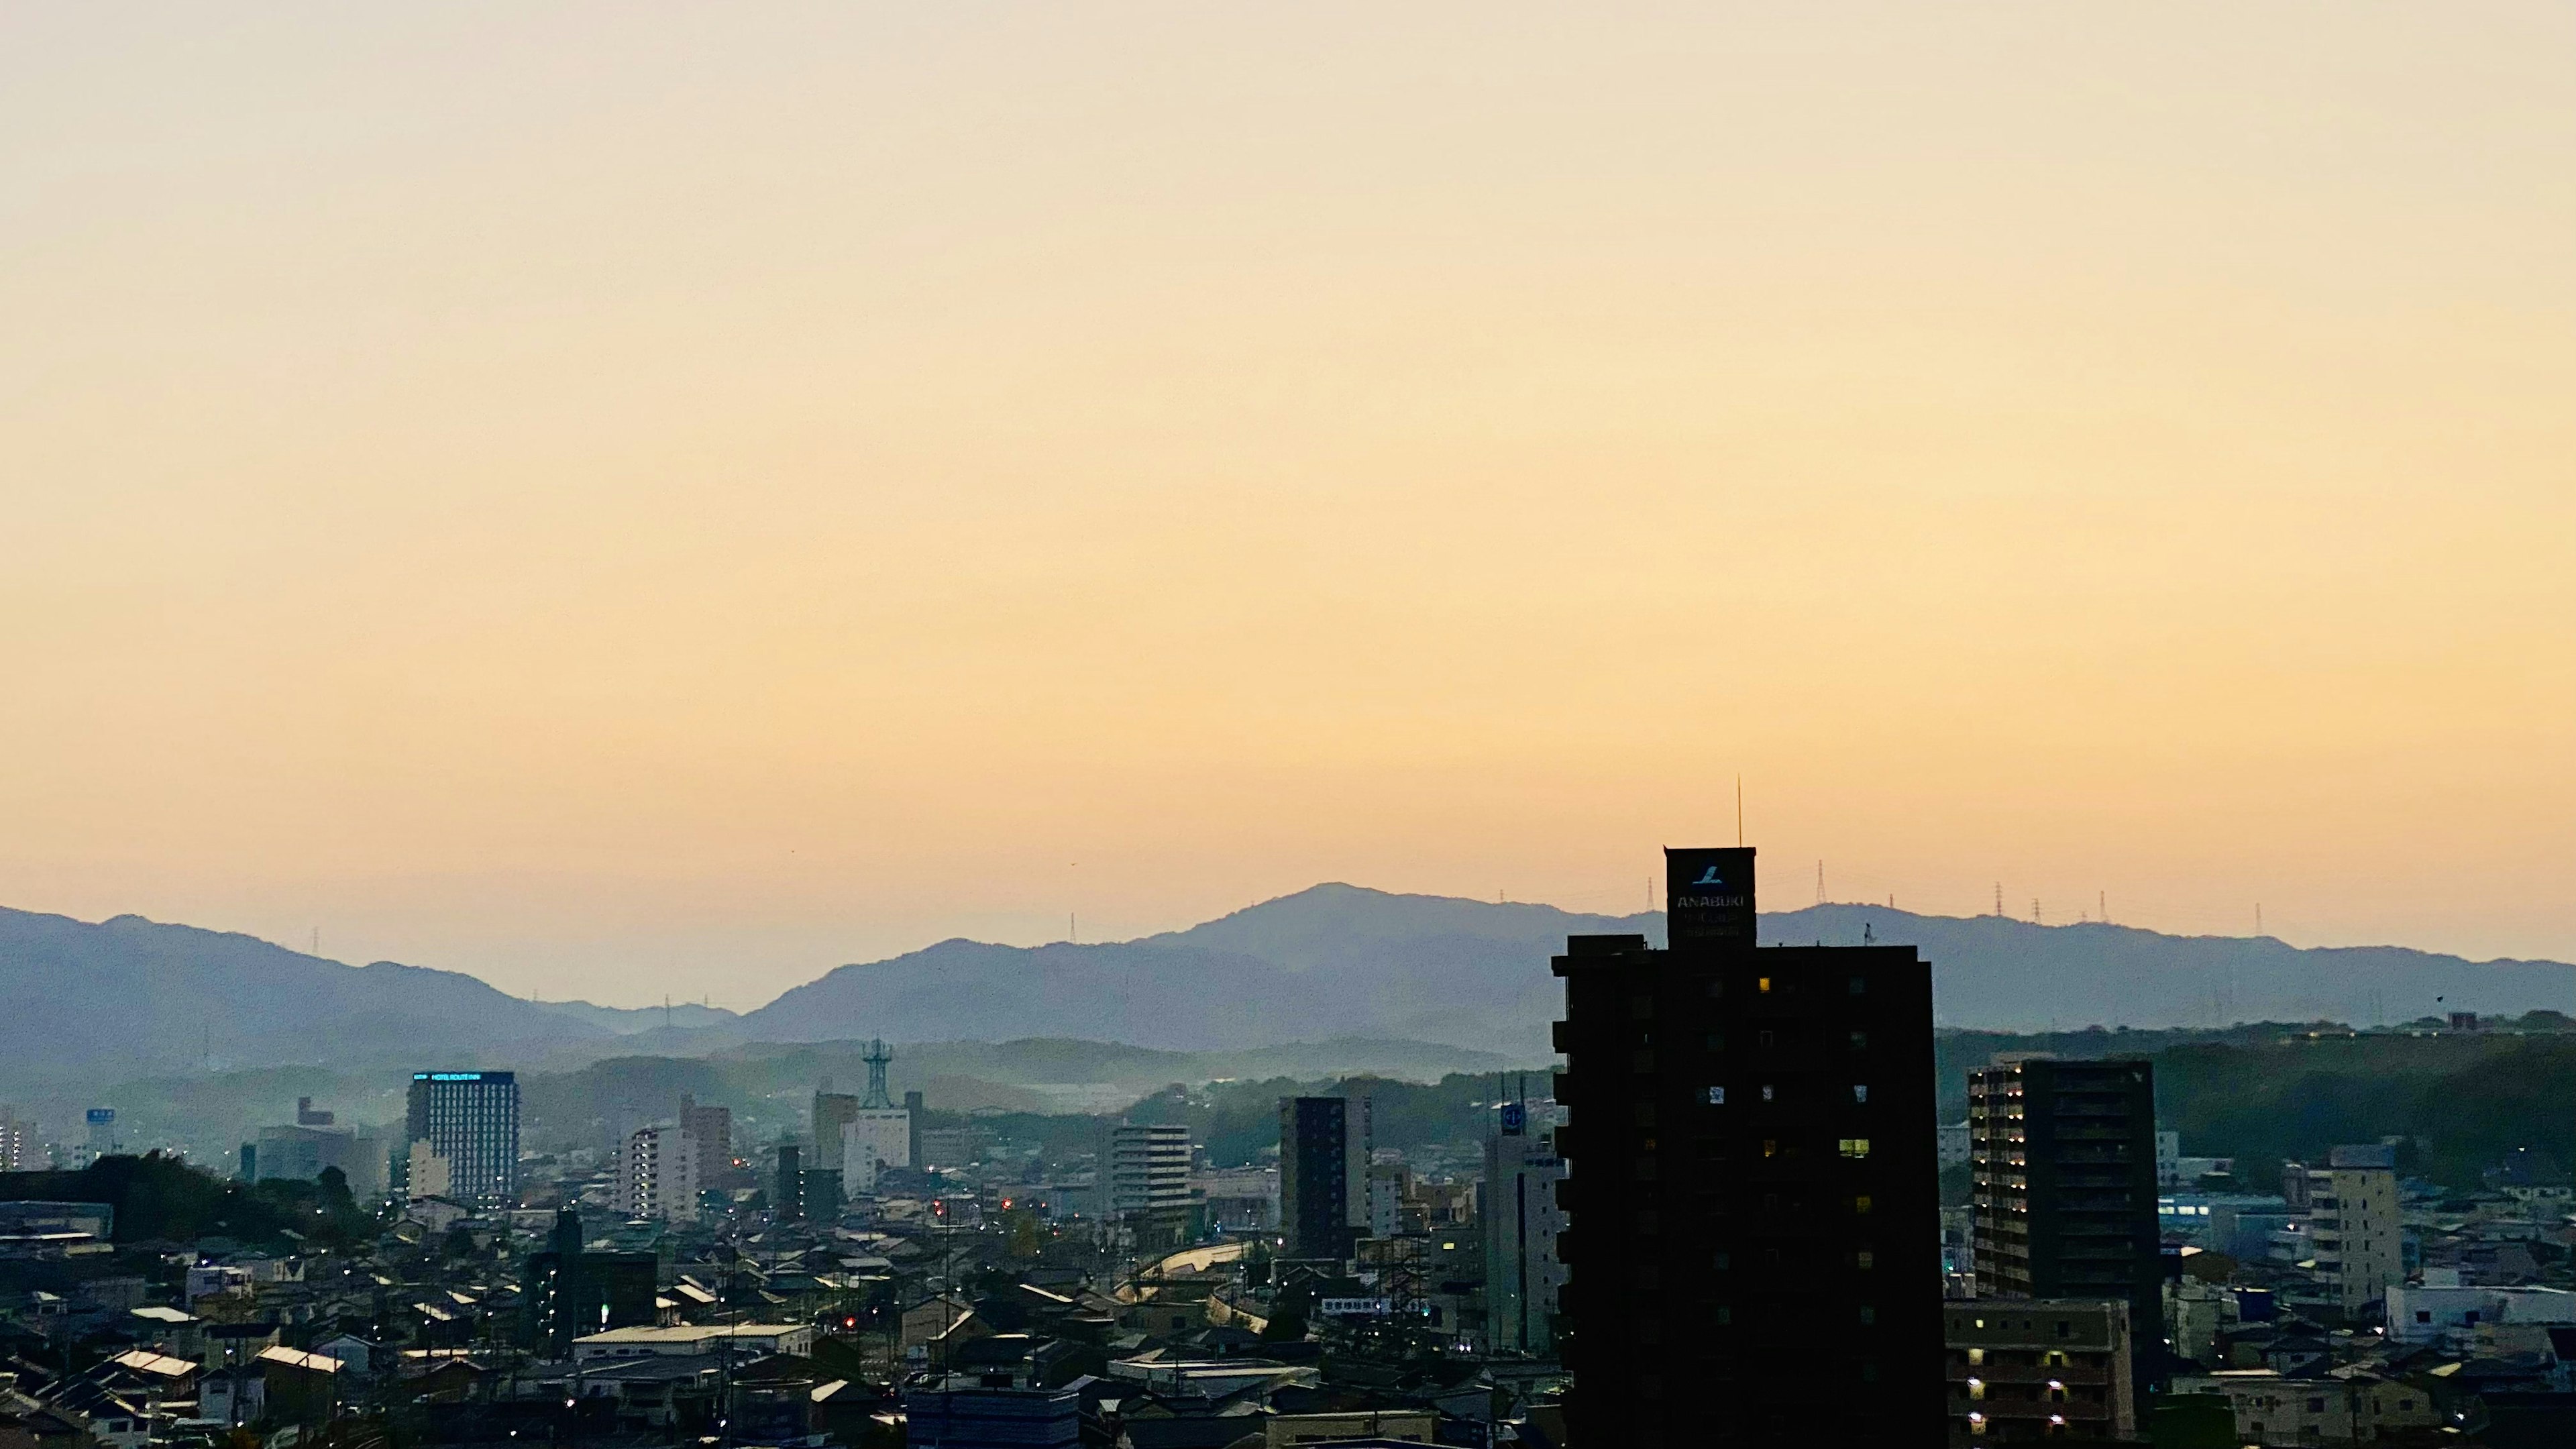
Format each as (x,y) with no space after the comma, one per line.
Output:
(472,1120)
(657,1174)
(2035,1369)
(1323,1166)
(712,1129)
(1521,1222)
(1149,1169)
(2350,1206)
(17,1142)
(832,1111)
(872,1140)
(2063,1184)
(1751,1166)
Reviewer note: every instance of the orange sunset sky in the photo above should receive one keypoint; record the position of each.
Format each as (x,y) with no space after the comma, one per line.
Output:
(638,498)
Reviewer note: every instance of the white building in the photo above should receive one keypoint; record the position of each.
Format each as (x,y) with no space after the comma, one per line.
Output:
(657,1174)
(1524,1279)
(426,1173)
(872,1140)
(2449,1316)
(2169,1160)
(17,1142)
(1149,1167)
(2352,1232)
(1389,1180)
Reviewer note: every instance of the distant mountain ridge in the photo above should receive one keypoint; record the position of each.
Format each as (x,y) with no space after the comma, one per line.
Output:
(128,997)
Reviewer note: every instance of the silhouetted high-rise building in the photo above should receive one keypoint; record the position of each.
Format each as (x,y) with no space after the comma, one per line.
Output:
(471,1119)
(2063,1162)
(1323,1164)
(787,1197)
(1752,1188)
(567,1292)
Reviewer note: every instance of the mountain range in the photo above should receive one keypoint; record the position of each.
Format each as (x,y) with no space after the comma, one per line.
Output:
(129,997)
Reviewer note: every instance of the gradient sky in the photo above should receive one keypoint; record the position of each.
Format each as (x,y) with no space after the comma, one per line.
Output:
(632,498)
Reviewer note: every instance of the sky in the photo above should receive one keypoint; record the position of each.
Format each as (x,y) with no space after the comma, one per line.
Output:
(637,499)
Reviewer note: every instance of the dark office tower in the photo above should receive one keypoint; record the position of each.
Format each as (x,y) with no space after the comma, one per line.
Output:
(567,1292)
(2063,1164)
(1754,1248)
(1314,1176)
(790,1204)
(472,1120)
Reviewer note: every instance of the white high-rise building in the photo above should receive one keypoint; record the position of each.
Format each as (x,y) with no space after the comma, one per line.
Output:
(874,1139)
(17,1142)
(657,1174)
(2352,1222)
(1149,1167)
(1524,1278)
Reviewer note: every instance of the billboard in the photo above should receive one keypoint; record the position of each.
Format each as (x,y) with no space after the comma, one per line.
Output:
(1708,897)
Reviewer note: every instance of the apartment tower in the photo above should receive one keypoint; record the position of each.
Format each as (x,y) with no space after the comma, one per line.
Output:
(1751,1181)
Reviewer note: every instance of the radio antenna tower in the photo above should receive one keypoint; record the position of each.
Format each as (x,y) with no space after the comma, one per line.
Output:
(876,1056)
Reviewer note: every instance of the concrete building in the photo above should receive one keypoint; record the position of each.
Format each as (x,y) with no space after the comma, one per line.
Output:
(2449,1316)
(17,1142)
(1390,1187)
(872,1140)
(2345,1408)
(832,1112)
(960,1411)
(711,1128)
(2029,1369)
(1521,1224)
(2168,1161)
(472,1120)
(657,1174)
(2352,1224)
(1149,1169)
(1323,1166)
(1750,1170)
(426,1173)
(299,1152)
(2063,1158)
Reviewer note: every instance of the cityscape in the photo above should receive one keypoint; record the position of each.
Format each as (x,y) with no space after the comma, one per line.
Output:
(1752,1174)
(1165,724)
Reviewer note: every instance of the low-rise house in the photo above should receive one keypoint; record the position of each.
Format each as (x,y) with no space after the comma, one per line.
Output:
(2343,1407)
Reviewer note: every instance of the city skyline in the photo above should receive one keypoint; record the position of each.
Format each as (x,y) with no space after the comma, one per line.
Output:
(605,505)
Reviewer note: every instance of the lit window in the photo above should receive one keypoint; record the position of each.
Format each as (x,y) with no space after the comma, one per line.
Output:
(1976,1388)
(1864,1260)
(1860,1206)
(1860,1092)
(1717,1096)
(1976,1423)
(1855,1147)
(1766,1091)
(1770,1148)
(1977,1356)
(1764,984)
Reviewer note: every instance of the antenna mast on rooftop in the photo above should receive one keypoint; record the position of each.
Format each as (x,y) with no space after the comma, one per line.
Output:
(876,1056)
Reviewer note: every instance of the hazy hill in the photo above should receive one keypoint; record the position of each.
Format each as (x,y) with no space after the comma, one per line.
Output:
(1343,960)
(129,997)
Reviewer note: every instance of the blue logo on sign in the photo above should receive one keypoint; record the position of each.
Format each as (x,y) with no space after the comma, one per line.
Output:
(1708,877)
